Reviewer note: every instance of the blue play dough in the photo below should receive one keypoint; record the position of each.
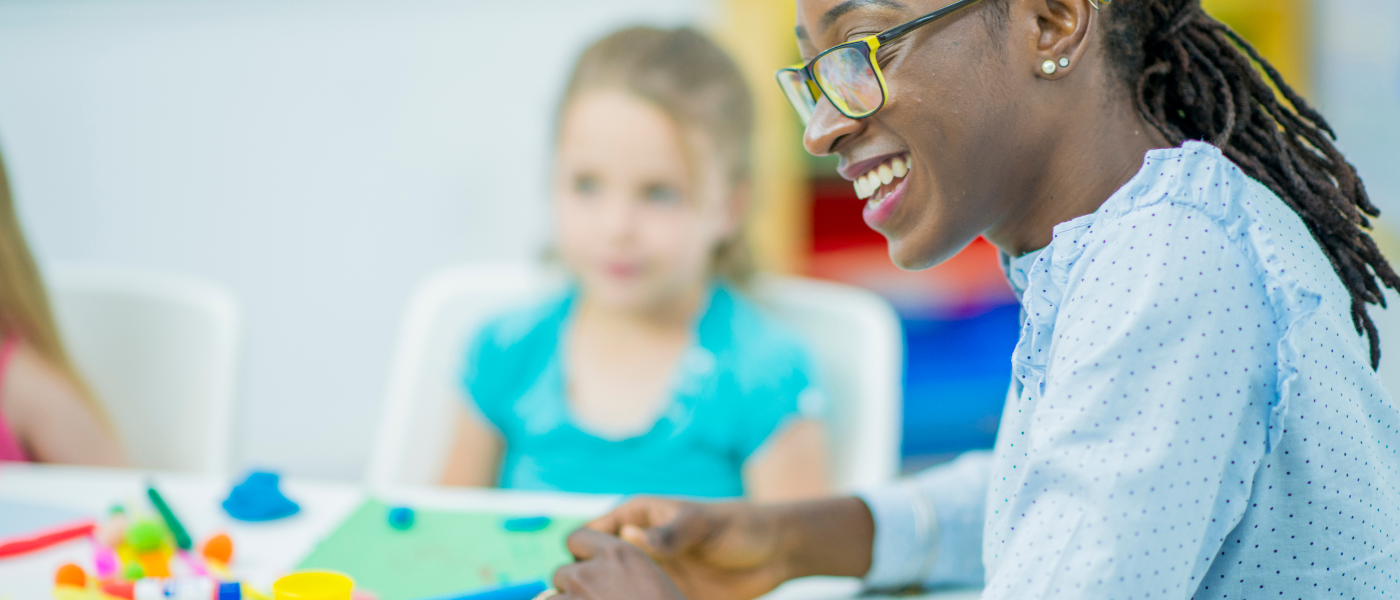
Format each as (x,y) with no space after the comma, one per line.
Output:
(525,524)
(401,517)
(259,499)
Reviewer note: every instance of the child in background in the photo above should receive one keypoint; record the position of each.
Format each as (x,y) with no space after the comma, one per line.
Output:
(47,413)
(652,373)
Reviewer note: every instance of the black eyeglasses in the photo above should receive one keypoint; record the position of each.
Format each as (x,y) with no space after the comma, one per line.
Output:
(848,74)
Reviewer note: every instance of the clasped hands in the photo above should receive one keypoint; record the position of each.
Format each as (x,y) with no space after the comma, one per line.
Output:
(659,549)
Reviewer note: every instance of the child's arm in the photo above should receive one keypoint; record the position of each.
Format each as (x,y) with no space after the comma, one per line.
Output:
(475,454)
(792,466)
(50,417)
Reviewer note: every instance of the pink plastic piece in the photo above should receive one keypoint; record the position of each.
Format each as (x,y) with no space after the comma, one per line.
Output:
(105,560)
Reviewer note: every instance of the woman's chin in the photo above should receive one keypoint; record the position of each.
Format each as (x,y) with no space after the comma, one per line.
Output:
(915,253)
(906,257)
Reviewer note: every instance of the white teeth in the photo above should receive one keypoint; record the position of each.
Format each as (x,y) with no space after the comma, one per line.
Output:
(866,185)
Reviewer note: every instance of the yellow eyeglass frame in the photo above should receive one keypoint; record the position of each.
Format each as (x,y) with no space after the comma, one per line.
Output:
(805,103)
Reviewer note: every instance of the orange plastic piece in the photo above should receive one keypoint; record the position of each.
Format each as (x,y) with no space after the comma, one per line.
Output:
(219,549)
(155,564)
(70,574)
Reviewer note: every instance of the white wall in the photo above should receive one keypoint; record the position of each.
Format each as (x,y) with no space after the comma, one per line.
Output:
(317,156)
(1358,83)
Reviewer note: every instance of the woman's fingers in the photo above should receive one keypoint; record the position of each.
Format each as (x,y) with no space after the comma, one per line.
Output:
(585,543)
(610,569)
(640,512)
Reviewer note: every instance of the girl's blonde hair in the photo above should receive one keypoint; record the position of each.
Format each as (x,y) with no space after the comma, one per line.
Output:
(693,81)
(24,305)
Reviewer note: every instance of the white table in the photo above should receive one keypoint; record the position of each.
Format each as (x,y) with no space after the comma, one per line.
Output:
(265,551)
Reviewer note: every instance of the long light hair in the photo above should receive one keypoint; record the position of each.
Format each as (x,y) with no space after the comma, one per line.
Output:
(693,81)
(24,304)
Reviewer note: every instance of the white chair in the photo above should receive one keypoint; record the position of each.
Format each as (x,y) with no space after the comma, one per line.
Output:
(853,335)
(161,353)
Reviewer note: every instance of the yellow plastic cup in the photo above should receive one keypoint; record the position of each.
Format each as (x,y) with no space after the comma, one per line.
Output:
(313,585)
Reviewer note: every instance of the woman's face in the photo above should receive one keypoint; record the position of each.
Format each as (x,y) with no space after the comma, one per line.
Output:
(951,121)
(637,221)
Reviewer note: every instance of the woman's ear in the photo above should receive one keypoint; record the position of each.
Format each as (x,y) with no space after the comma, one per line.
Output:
(1063,29)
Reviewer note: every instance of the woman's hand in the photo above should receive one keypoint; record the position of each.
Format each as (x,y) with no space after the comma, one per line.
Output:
(611,569)
(730,551)
(738,551)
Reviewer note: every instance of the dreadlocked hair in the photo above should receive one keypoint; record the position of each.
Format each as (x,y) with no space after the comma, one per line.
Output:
(1194,79)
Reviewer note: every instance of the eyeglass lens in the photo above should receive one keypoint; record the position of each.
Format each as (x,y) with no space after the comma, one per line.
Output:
(849,81)
(795,87)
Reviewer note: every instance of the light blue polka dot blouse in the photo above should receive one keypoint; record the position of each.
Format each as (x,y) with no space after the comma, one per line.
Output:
(1193,415)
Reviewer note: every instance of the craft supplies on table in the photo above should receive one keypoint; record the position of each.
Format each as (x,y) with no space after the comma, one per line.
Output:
(444,552)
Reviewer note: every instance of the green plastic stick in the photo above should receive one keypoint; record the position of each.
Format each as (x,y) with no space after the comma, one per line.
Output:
(182,537)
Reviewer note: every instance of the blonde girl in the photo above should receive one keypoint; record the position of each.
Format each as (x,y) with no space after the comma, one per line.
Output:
(47,413)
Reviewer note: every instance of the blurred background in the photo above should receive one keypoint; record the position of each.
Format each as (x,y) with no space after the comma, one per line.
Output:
(320,157)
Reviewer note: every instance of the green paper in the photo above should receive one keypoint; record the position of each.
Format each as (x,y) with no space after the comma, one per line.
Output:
(442,553)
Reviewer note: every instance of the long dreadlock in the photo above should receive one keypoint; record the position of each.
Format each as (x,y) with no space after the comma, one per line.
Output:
(1195,80)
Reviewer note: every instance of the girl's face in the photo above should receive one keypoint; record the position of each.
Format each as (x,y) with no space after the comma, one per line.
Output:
(637,221)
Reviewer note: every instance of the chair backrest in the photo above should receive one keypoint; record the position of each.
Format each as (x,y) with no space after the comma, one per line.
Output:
(161,352)
(853,334)
(855,338)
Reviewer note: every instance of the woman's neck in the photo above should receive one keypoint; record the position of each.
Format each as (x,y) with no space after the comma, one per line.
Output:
(1083,162)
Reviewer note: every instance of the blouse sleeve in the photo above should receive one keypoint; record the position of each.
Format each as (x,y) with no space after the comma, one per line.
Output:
(1146,430)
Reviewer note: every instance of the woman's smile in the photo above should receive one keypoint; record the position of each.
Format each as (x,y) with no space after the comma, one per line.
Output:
(880,182)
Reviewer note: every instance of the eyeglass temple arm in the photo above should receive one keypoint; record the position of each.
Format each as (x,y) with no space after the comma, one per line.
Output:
(898,31)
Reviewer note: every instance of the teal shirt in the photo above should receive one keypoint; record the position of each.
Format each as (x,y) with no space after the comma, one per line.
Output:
(742,381)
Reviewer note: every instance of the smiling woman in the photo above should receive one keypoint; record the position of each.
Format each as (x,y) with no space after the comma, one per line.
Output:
(1194,410)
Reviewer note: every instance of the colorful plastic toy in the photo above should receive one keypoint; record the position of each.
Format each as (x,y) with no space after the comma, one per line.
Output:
(523,524)
(70,574)
(258,498)
(218,549)
(401,518)
(145,536)
(313,585)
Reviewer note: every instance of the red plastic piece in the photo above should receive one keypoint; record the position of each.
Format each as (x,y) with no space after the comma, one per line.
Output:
(120,589)
(42,540)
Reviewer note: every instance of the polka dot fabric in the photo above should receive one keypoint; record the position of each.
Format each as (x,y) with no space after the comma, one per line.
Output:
(1193,413)
(1197,418)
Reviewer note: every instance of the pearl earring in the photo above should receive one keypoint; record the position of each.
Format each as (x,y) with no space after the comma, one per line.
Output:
(1048,67)
(1064,62)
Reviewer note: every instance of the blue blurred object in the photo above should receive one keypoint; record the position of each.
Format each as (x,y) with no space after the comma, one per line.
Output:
(230,590)
(956,375)
(401,518)
(525,524)
(258,498)
(523,591)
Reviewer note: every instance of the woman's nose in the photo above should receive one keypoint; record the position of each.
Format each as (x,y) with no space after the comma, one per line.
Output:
(827,127)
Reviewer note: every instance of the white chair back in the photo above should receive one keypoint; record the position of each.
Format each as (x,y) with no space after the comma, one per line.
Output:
(855,338)
(161,353)
(853,335)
